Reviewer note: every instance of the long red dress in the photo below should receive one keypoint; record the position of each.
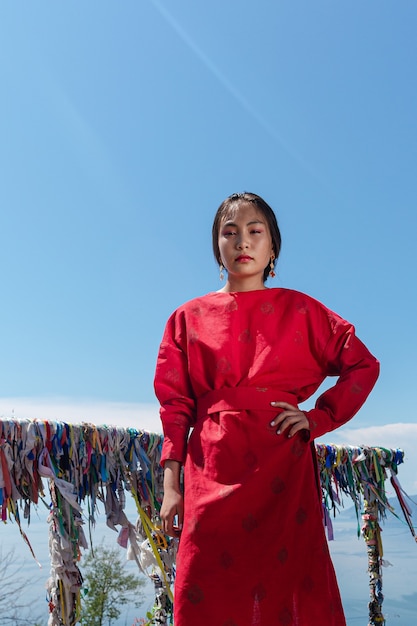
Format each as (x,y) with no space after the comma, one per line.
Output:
(253,550)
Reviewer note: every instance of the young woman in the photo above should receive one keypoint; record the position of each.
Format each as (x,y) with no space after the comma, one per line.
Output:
(233,367)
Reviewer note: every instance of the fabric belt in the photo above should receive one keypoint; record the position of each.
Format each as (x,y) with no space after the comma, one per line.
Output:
(242,398)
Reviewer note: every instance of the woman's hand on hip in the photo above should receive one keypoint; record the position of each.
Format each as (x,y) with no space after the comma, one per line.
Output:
(291,420)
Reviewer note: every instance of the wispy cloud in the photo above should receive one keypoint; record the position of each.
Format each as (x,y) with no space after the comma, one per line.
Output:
(133,415)
(228,84)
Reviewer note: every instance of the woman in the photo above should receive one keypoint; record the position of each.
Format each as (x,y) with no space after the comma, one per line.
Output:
(233,367)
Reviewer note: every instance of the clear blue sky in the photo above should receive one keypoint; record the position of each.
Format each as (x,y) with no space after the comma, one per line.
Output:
(125,124)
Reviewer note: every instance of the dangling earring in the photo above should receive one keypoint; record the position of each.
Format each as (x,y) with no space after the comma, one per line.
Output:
(271,266)
(221,271)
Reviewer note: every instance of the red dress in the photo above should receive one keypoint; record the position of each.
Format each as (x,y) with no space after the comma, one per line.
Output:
(253,550)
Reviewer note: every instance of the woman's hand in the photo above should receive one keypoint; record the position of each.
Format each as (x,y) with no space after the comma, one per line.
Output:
(291,419)
(173,501)
(172,506)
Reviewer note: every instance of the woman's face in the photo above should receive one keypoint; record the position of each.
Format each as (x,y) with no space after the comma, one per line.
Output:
(245,245)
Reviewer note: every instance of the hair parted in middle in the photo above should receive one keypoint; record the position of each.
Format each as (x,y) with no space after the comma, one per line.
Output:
(227,208)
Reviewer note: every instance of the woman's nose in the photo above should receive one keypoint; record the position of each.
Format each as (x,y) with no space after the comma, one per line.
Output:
(241,242)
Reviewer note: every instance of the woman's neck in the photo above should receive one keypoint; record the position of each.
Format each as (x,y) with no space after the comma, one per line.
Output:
(243,285)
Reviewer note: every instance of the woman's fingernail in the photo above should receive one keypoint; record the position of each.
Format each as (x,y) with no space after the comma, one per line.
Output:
(273,403)
(272,423)
(278,432)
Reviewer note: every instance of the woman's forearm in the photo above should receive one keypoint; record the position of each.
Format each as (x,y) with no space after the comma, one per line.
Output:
(172,473)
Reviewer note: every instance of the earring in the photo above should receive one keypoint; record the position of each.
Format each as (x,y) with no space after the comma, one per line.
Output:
(221,271)
(271,266)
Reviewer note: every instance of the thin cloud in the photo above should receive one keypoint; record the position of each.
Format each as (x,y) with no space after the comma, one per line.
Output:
(226,83)
(128,415)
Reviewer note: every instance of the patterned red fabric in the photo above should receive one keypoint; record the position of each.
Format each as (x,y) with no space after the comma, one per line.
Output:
(253,550)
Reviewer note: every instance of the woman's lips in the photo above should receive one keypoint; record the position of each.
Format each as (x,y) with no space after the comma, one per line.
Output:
(244,259)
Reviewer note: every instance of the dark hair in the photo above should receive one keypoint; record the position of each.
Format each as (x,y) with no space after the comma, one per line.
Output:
(227,207)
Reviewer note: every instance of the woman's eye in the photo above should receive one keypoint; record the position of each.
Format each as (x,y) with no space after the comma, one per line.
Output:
(228,233)
(256,232)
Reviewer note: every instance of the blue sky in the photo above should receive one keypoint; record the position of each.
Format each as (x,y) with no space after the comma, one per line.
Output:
(123,127)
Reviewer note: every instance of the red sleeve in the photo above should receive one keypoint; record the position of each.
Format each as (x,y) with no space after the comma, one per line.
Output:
(344,355)
(173,390)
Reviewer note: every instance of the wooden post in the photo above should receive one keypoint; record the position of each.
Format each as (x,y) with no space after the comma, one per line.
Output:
(372,534)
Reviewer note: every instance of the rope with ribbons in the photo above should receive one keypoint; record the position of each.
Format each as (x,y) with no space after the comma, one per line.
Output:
(87,465)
